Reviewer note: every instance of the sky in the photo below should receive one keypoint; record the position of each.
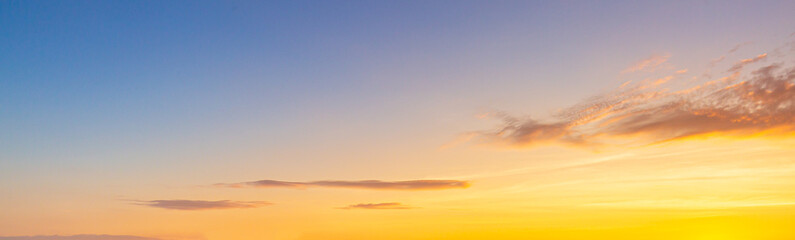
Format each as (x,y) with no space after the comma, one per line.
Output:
(308,120)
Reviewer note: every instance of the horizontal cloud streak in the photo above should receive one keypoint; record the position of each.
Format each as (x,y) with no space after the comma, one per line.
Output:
(741,104)
(201,205)
(365,184)
(648,64)
(391,205)
(739,66)
(79,237)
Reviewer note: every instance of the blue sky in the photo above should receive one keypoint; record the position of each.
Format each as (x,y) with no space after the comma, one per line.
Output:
(83,76)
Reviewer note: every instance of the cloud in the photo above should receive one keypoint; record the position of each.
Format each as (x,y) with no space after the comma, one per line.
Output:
(391,205)
(365,184)
(201,205)
(648,64)
(737,47)
(79,237)
(530,132)
(739,65)
(650,111)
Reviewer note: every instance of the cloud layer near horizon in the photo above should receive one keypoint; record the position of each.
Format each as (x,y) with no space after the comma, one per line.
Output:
(364,184)
(201,205)
(650,110)
(79,237)
(390,205)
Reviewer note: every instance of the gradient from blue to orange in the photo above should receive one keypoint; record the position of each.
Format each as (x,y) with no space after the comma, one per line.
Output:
(107,104)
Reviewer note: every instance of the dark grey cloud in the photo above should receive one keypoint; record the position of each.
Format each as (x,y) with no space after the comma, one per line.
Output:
(390,205)
(201,205)
(364,184)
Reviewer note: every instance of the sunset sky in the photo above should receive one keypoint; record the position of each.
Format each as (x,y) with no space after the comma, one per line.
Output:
(397,120)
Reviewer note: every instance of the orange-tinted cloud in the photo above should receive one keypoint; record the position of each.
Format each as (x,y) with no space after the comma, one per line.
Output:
(648,64)
(79,237)
(365,184)
(763,100)
(391,205)
(742,63)
(201,205)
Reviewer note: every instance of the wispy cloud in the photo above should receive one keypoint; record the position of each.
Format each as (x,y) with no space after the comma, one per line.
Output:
(761,100)
(648,64)
(738,46)
(391,205)
(365,184)
(742,63)
(79,237)
(201,205)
